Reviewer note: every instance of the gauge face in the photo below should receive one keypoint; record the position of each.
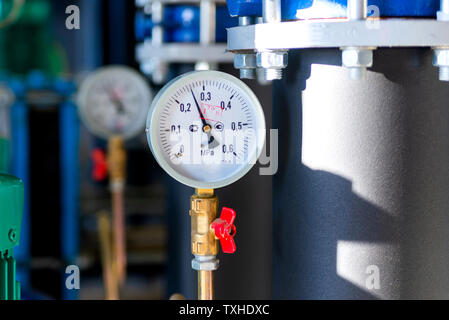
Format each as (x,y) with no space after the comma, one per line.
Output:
(114,101)
(206,129)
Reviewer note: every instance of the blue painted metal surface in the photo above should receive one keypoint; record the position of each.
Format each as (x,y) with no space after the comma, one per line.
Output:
(224,21)
(69,133)
(142,26)
(306,9)
(182,24)
(37,80)
(20,168)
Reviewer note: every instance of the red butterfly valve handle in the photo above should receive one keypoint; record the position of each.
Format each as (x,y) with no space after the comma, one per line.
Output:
(225,230)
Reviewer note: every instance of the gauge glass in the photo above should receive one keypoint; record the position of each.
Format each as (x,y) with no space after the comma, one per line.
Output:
(206,129)
(114,101)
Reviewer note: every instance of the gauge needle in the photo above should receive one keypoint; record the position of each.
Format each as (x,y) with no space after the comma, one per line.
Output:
(206,127)
(117,102)
(120,106)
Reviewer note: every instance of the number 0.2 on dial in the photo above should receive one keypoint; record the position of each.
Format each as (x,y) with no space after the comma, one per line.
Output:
(206,129)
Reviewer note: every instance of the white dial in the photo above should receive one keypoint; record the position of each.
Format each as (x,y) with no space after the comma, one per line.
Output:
(114,101)
(206,129)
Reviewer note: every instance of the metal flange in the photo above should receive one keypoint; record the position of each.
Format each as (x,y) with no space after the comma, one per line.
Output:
(340,33)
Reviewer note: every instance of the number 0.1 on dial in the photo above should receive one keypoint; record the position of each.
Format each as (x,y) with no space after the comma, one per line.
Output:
(206,129)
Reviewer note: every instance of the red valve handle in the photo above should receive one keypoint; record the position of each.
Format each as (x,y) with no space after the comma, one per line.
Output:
(100,167)
(225,230)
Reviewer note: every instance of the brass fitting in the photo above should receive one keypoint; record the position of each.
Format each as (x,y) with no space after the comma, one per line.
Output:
(203,211)
(116,160)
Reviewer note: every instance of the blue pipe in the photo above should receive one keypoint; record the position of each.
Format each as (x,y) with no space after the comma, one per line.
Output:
(69,140)
(20,168)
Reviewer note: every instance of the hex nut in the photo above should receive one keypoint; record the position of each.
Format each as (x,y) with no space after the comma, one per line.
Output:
(209,265)
(441,58)
(245,61)
(272,59)
(357,58)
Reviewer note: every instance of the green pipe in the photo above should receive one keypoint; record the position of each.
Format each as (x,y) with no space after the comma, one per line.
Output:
(11,278)
(18,292)
(3,278)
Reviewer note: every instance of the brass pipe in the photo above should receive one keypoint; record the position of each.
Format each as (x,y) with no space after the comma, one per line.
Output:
(117,176)
(177,296)
(204,245)
(205,285)
(119,234)
(109,275)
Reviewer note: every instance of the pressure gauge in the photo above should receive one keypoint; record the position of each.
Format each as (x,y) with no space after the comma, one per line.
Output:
(206,129)
(114,101)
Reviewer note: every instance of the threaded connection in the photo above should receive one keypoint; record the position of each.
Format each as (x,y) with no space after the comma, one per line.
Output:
(272,74)
(444,73)
(358,73)
(247,73)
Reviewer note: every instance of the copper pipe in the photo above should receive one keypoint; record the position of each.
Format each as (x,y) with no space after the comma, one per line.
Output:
(109,276)
(205,285)
(119,234)
(117,177)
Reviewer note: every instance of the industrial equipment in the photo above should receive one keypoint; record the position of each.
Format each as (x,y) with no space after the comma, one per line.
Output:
(181,32)
(6,100)
(37,109)
(11,206)
(349,199)
(206,129)
(361,190)
(113,103)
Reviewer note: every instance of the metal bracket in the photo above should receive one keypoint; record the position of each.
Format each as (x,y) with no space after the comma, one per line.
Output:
(184,53)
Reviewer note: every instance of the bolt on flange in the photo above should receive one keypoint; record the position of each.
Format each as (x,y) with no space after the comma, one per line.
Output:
(357,60)
(441,60)
(246,63)
(441,54)
(273,63)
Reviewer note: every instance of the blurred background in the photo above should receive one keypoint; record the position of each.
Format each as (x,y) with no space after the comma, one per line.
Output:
(43,142)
